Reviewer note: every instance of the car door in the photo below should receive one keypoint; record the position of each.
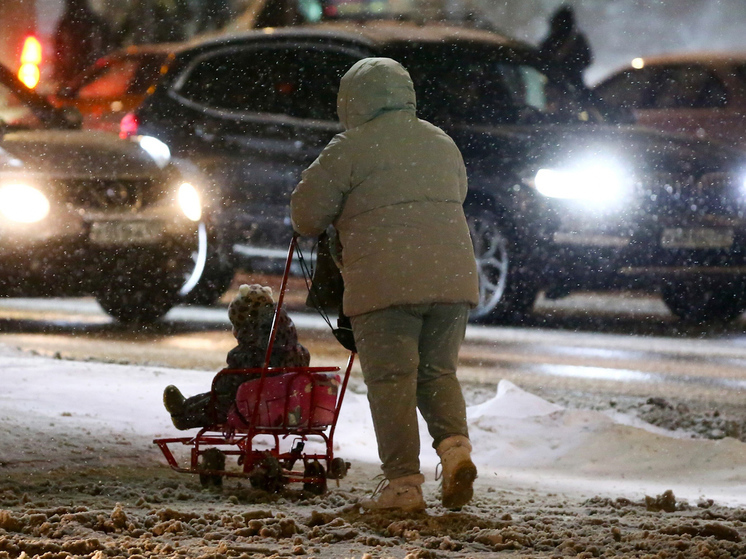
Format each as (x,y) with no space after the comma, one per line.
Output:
(262,112)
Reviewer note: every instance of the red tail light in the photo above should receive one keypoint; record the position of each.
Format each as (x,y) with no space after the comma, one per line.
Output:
(128,125)
(29,73)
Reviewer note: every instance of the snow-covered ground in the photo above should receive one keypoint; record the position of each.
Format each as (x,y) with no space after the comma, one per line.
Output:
(80,477)
(67,412)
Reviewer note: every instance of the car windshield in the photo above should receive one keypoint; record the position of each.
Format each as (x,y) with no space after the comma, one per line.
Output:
(22,108)
(460,85)
(116,77)
(14,113)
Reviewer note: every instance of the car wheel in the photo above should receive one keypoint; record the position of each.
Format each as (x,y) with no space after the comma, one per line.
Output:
(503,296)
(143,303)
(211,275)
(702,300)
(143,285)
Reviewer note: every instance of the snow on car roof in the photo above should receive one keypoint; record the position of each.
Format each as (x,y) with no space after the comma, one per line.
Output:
(702,57)
(375,31)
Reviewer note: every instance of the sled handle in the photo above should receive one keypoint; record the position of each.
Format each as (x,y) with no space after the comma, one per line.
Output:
(280,299)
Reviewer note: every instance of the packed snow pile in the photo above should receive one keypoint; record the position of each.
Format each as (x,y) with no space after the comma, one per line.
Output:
(66,414)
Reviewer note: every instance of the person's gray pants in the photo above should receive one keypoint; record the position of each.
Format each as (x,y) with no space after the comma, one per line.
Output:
(409,355)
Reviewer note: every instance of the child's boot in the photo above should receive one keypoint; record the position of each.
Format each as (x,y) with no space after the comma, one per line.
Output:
(173,400)
(458,472)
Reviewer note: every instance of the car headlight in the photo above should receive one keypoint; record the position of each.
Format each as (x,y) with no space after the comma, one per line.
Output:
(189,201)
(597,184)
(22,203)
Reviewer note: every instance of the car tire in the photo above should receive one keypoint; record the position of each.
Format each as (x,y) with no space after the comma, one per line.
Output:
(505,294)
(144,303)
(703,300)
(143,285)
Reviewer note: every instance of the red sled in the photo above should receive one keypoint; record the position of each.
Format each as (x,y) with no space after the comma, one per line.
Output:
(290,406)
(293,400)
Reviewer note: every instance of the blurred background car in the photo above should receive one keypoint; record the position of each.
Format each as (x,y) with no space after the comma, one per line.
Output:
(88,213)
(559,200)
(109,90)
(700,94)
(118,82)
(115,85)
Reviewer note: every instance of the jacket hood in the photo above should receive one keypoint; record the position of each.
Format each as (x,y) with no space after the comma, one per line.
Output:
(374,86)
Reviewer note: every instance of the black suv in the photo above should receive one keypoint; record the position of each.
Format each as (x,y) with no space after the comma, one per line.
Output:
(559,199)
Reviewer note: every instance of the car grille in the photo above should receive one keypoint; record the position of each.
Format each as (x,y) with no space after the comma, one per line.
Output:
(677,194)
(108,194)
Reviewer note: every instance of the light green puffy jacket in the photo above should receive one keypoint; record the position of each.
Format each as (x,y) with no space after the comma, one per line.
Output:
(393,186)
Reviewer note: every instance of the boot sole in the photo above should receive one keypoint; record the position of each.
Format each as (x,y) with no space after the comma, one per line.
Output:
(461,492)
(374,507)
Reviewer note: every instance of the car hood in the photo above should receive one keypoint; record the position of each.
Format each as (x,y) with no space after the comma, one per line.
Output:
(77,154)
(639,149)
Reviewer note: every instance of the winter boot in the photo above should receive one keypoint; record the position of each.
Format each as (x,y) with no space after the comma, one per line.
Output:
(173,400)
(402,493)
(458,473)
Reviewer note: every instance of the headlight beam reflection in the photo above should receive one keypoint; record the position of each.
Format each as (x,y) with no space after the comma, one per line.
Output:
(631,376)
(199,265)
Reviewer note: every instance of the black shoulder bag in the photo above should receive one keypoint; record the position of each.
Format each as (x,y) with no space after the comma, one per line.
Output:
(326,291)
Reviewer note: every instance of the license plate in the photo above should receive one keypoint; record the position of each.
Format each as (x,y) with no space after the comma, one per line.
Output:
(699,237)
(125,232)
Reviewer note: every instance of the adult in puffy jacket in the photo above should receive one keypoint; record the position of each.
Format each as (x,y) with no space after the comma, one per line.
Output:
(393,186)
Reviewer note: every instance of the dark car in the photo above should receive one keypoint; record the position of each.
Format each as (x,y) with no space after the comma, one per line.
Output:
(700,94)
(559,200)
(88,213)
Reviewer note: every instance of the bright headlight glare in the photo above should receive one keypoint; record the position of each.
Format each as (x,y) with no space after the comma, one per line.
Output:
(189,201)
(22,203)
(594,184)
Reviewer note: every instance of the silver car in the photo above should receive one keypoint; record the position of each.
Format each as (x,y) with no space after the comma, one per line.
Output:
(88,213)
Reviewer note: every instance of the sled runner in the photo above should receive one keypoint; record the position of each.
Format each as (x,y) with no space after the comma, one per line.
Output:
(288,406)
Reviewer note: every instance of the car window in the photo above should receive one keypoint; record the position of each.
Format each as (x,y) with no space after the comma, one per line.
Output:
(119,77)
(148,72)
(693,87)
(111,81)
(295,81)
(470,86)
(739,70)
(631,88)
(14,113)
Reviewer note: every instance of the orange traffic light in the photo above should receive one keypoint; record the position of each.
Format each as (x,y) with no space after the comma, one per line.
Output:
(29,72)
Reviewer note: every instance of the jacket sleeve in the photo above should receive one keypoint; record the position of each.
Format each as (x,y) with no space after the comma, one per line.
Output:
(317,200)
(463,183)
